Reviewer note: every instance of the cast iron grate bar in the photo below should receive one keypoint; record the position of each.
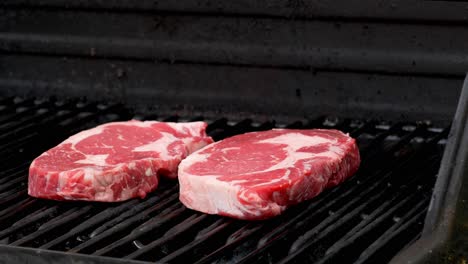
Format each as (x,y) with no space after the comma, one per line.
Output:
(127,221)
(380,207)
(73,215)
(213,232)
(163,219)
(400,229)
(18,171)
(43,212)
(178,232)
(97,219)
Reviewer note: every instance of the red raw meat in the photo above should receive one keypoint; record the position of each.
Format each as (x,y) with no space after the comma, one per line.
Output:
(115,161)
(258,175)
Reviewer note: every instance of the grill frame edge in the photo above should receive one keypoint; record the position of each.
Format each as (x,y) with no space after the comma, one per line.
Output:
(438,241)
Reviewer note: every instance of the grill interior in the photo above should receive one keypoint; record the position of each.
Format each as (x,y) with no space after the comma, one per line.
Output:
(368,218)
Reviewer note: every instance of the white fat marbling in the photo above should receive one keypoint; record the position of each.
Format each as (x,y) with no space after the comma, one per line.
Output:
(161,145)
(98,160)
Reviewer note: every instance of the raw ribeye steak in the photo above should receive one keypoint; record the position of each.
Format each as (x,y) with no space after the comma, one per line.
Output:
(258,175)
(115,161)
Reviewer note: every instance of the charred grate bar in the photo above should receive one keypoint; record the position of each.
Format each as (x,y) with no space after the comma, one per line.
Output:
(370,217)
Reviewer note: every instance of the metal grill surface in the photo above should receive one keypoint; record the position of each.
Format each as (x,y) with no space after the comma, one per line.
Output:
(368,218)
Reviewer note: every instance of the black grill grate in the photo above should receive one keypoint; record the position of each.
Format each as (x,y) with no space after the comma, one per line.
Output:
(366,219)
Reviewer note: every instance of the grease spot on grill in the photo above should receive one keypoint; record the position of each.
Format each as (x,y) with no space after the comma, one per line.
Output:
(42,111)
(21,109)
(331,121)
(138,244)
(442,142)
(82,238)
(417,140)
(80,104)
(383,126)
(435,129)
(393,138)
(102,106)
(408,128)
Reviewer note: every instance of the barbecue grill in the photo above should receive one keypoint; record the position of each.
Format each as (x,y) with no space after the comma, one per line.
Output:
(389,74)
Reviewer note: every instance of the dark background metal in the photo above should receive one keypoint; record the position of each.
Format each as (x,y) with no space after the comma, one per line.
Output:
(283,59)
(446,11)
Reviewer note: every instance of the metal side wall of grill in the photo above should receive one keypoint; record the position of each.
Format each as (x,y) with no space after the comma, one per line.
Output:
(370,217)
(445,235)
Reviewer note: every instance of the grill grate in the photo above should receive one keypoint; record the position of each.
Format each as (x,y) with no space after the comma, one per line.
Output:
(368,218)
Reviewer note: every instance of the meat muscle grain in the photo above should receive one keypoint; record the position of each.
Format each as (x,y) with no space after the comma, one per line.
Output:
(115,161)
(258,175)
